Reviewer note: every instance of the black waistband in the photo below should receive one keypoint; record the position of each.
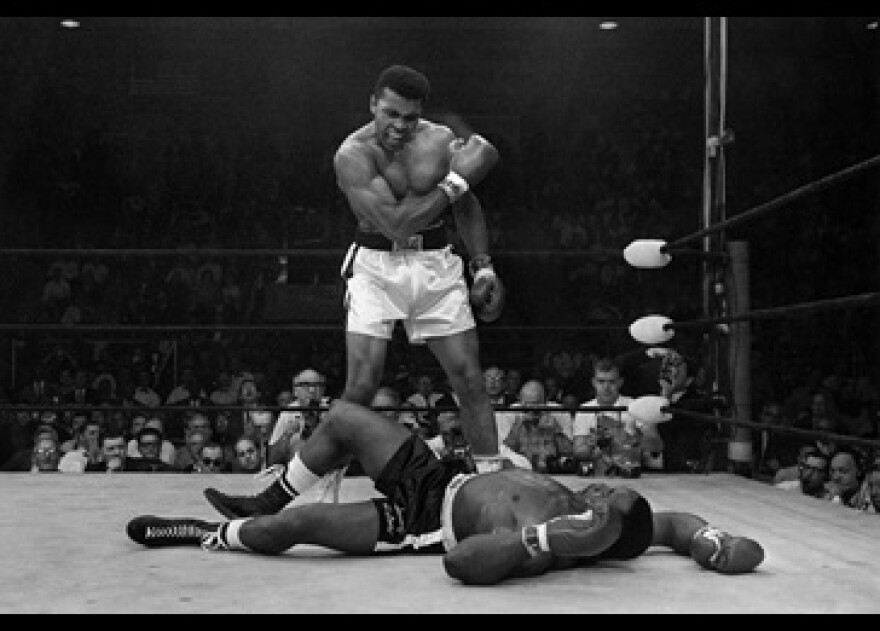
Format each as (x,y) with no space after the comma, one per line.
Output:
(430,239)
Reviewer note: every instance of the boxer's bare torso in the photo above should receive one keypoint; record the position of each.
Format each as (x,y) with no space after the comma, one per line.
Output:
(511,499)
(413,170)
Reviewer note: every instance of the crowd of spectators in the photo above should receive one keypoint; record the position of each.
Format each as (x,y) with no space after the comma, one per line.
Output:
(556,236)
(123,426)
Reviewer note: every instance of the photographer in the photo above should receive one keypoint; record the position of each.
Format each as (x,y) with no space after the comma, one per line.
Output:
(450,444)
(607,443)
(538,435)
(294,426)
(449,441)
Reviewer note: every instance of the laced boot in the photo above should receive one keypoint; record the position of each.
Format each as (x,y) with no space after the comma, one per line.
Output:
(158,532)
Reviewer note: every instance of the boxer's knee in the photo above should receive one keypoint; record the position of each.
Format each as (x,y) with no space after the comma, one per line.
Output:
(340,415)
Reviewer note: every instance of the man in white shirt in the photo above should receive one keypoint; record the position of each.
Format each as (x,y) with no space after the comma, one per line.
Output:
(495,380)
(607,439)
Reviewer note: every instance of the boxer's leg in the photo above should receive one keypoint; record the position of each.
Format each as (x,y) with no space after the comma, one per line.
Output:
(459,356)
(369,325)
(348,431)
(351,528)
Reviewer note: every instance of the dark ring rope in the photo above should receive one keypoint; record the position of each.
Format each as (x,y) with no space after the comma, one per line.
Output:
(314,253)
(56,407)
(773,204)
(782,429)
(820,305)
(762,314)
(269,328)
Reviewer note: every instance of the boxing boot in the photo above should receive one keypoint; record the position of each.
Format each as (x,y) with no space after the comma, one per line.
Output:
(158,532)
(267,502)
(717,550)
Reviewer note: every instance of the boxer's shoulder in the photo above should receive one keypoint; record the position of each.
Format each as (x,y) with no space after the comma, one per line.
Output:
(358,138)
(434,130)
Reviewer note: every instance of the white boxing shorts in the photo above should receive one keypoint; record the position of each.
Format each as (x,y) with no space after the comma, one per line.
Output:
(425,289)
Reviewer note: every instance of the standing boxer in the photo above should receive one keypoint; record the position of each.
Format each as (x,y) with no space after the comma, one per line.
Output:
(400,173)
(493,526)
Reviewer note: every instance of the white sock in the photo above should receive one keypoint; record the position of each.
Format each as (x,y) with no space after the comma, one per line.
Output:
(230,537)
(299,477)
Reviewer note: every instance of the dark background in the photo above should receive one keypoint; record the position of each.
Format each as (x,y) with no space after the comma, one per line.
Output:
(102,104)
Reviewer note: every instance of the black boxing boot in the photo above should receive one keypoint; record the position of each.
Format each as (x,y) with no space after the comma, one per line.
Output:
(267,502)
(158,532)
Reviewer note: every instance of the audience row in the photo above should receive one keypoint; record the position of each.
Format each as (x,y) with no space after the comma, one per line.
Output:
(594,434)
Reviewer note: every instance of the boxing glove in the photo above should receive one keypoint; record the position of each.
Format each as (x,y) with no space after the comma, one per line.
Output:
(473,159)
(583,535)
(469,163)
(717,550)
(487,291)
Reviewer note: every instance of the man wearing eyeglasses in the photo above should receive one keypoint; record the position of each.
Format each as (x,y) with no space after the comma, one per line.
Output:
(812,474)
(149,441)
(46,454)
(211,460)
(247,456)
(294,426)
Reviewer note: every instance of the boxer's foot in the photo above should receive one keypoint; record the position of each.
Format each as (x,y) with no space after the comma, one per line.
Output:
(158,532)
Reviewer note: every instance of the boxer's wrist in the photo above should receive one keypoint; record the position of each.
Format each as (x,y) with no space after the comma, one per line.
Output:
(454,186)
(480,263)
(530,540)
(534,539)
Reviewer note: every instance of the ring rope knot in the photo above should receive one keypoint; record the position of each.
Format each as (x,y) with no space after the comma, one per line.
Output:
(716,537)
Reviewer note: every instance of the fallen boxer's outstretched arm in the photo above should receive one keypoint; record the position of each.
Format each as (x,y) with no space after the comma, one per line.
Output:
(485,559)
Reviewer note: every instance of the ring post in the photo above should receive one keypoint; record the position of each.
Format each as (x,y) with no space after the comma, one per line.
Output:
(739,449)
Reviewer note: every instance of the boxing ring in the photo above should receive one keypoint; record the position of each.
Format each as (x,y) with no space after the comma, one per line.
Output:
(66,550)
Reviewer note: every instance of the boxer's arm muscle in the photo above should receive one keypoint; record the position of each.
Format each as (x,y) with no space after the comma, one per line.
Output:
(470,222)
(371,197)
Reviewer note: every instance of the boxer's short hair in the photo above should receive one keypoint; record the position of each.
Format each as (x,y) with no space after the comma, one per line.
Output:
(637,532)
(405,81)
